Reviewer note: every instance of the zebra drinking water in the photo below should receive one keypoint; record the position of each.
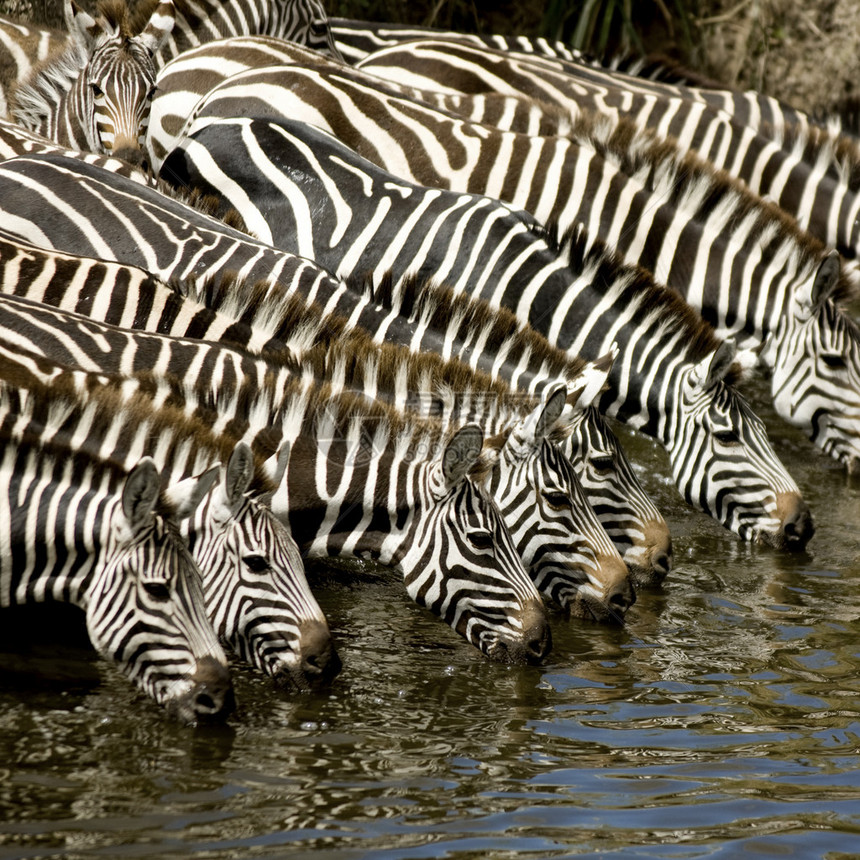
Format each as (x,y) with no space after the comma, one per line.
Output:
(361,479)
(254,587)
(176,241)
(87,531)
(765,503)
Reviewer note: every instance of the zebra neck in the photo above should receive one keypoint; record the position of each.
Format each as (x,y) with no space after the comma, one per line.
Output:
(344,498)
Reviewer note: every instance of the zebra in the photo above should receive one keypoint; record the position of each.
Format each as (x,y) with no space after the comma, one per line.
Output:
(759,480)
(159,242)
(670,217)
(254,587)
(361,479)
(96,95)
(356,40)
(183,80)
(88,531)
(793,164)
(555,531)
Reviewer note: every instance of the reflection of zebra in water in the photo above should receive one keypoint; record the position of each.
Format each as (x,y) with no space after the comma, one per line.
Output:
(743,484)
(152,231)
(85,530)
(96,95)
(362,480)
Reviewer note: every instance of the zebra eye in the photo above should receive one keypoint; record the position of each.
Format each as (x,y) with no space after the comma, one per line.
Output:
(726,437)
(557,501)
(151,94)
(602,464)
(157,591)
(256,563)
(833,360)
(98,92)
(481,540)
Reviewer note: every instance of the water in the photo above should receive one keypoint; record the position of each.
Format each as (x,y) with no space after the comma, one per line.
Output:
(722,721)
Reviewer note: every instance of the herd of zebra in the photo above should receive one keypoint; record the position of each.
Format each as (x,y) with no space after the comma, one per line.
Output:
(278,286)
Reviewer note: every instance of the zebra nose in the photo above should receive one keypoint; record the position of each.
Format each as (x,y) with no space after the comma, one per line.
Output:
(212,693)
(319,660)
(537,636)
(620,596)
(796,521)
(660,541)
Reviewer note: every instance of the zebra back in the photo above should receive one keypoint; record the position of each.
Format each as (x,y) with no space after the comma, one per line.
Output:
(773,159)
(202,21)
(556,178)
(90,531)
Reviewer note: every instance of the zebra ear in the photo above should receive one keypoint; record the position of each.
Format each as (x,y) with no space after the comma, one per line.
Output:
(537,424)
(140,492)
(238,476)
(81,25)
(159,27)
(592,380)
(714,367)
(811,294)
(461,453)
(186,495)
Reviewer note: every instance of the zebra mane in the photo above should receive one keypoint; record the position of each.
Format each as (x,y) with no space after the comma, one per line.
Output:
(207,204)
(640,294)
(664,69)
(443,309)
(74,399)
(683,179)
(35,97)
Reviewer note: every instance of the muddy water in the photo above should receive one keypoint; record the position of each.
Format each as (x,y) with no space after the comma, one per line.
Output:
(722,721)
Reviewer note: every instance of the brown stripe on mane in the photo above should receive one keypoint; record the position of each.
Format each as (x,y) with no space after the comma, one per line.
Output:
(666,308)
(420,299)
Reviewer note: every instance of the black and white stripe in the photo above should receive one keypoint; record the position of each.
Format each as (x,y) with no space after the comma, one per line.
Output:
(86,530)
(361,479)
(254,586)
(643,392)
(96,95)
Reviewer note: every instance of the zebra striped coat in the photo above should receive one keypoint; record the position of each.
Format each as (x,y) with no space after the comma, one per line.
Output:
(160,242)
(87,531)
(782,164)
(359,482)
(254,587)
(22,47)
(555,531)
(610,186)
(320,164)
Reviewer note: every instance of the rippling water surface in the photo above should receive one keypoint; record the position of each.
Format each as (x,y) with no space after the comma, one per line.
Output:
(722,721)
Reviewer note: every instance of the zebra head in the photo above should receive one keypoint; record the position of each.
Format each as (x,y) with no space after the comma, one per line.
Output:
(557,535)
(113,94)
(722,459)
(254,584)
(814,357)
(622,506)
(145,608)
(460,561)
